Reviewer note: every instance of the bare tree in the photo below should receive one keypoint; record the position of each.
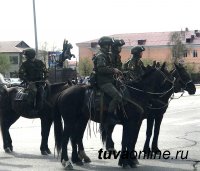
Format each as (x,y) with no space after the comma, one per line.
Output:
(85,66)
(4,63)
(177,47)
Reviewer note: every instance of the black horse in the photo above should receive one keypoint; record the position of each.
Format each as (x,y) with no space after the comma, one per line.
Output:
(11,109)
(180,80)
(156,111)
(73,103)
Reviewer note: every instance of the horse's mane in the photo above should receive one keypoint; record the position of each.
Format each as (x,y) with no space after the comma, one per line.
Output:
(53,88)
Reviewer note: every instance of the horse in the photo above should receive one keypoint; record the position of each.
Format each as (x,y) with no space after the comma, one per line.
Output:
(66,53)
(158,107)
(75,113)
(11,110)
(156,112)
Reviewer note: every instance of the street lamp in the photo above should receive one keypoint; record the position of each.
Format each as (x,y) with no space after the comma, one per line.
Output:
(35,28)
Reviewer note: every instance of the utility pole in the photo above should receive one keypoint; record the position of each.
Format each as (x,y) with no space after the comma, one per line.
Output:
(35,28)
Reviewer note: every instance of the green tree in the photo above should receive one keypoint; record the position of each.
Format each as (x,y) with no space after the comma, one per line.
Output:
(4,63)
(85,66)
(178,48)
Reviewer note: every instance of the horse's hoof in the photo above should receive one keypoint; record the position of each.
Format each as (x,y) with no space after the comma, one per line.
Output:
(8,150)
(67,165)
(155,150)
(48,151)
(82,156)
(87,160)
(135,161)
(45,153)
(79,163)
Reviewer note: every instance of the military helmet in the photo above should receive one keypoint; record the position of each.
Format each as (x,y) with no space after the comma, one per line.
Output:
(137,49)
(105,40)
(29,53)
(118,42)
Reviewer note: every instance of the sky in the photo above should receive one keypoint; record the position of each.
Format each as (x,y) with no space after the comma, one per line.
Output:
(84,20)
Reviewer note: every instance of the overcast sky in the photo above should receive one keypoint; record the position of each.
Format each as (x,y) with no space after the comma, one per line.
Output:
(83,20)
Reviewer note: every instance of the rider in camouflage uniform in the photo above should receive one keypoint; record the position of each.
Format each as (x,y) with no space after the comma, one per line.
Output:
(135,65)
(33,73)
(116,49)
(105,76)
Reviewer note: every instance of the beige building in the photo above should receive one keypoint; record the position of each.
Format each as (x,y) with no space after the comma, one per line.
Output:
(13,49)
(157,45)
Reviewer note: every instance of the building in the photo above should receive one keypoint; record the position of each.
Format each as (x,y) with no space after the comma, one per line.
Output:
(13,49)
(157,45)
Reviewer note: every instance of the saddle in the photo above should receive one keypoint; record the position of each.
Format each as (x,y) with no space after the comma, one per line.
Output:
(21,95)
(97,102)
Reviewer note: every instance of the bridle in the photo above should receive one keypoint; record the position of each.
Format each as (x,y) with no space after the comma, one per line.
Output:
(153,93)
(180,78)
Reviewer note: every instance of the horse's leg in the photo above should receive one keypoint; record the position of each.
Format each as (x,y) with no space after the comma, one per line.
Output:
(46,123)
(158,120)
(81,152)
(75,159)
(6,122)
(150,122)
(134,161)
(129,135)
(109,141)
(64,155)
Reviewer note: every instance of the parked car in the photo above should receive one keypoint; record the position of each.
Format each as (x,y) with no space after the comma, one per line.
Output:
(13,81)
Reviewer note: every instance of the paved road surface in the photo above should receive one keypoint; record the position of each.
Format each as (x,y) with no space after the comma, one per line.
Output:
(180,131)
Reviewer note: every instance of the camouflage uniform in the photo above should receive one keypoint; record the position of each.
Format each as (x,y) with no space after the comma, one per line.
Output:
(105,72)
(33,70)
(135,65)
(116,49)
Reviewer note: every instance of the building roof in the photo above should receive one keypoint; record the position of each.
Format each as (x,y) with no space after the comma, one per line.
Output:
(151,38)
(12,46)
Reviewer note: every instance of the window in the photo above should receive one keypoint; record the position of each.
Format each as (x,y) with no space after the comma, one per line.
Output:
(195,53)
(141,42)
(94,44)
(185,53)
(14,59)
(188,40)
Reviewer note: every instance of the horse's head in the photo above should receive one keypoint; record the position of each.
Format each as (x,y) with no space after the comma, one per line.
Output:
(183,80)
(157,81)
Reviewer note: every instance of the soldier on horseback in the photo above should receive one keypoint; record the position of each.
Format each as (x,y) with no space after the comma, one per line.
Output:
(116,50)
(33,73)
(105,72)
(135,64)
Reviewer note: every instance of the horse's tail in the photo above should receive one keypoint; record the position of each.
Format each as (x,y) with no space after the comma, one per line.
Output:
(58,129)
(103,133)
(4,105)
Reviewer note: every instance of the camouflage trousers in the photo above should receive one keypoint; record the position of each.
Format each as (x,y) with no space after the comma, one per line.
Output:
(116,96)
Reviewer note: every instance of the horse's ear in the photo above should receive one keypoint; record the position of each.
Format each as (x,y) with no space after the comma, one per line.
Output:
(154,64)
(176,66)
(158,64)
(163,66)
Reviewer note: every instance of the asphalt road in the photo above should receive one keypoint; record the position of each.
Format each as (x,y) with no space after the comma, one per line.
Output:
(180,130)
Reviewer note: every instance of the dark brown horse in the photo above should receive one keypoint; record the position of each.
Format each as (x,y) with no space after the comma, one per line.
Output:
(11,109)
(75,114)
(182,81)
